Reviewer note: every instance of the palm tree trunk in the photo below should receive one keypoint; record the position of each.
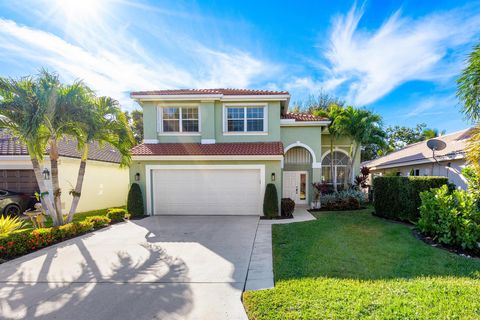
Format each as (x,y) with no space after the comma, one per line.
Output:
(354,157)
(349,168)
(44,191)
(55,181)
(334,176)
(78,188)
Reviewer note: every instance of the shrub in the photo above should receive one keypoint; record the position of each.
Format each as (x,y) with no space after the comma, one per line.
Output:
(25,241)
(9,224)
(343,200)
(450,218)
(270,201)
(399,197)
(287,207)
(116,215)
(99,221)
(135,201)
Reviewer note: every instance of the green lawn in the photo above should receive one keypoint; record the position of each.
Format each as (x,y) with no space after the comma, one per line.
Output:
(351,265)
(79,216)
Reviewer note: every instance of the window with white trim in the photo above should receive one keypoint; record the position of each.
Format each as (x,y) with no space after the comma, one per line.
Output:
(180,119)
(245,119)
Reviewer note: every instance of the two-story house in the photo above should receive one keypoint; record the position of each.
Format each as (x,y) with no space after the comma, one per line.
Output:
(212,151)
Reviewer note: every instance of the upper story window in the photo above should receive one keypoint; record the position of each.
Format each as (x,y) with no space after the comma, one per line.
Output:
(245,119)
(180,119)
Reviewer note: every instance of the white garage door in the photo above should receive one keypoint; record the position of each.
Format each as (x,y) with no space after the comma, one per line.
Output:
(207,191)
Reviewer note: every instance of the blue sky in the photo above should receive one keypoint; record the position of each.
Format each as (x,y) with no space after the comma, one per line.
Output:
(398,58)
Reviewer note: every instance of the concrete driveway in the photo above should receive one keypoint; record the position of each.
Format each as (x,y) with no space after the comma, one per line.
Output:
(185,267)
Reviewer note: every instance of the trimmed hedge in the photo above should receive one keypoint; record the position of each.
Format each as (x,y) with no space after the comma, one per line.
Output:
(135,201)
(399,197)
(23,242)
(270,201)
(116,215)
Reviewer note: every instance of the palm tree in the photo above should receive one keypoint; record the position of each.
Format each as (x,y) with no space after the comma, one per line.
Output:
(332,112)
(22,113)
(469,94)
(104,122)
(362,127)
(430,133)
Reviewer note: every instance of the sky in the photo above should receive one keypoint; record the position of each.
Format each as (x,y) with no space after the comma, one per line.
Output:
(397,58)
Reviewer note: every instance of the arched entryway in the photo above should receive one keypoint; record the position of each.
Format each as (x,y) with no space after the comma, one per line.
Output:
(340,162)
(297,174)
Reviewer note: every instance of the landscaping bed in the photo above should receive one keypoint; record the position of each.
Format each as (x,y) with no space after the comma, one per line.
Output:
(27,240)
(352,265)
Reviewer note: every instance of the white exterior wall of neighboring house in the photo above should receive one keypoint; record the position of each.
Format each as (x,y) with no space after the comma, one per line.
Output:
(105,184)
(452,171)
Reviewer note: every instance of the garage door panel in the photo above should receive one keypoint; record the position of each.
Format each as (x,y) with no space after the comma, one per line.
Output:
(207,191)
(18,180)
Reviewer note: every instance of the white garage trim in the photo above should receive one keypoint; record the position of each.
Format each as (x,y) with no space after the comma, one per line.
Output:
(150,168)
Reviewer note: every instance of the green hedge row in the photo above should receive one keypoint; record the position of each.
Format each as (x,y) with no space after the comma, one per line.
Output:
(399,197)
(19,243)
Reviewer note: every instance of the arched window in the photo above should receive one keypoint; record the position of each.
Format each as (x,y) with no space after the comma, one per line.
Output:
(340,163)
(298,155)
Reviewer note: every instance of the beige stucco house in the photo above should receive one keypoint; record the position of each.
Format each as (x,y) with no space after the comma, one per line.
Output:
(213,151)
(105,183)
(417,159)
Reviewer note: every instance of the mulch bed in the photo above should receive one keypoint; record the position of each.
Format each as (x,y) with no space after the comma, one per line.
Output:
(329,209)
(433,243)
(276,218)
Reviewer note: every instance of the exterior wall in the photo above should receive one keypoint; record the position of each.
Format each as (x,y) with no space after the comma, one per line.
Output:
(211,123)
(271,166)
(105,184)
(432,169)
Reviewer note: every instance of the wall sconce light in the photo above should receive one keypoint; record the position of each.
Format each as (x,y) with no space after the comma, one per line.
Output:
(273,176)
(137,176)
(46,174)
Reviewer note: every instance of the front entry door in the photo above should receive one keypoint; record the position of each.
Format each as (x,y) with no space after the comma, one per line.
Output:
(295,186)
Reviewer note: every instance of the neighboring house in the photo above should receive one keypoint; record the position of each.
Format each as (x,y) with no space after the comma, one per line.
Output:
(105,184)
(417,160)
(212,151)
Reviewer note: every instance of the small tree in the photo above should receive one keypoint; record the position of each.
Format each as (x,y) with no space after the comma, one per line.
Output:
(270,202)
(135,201)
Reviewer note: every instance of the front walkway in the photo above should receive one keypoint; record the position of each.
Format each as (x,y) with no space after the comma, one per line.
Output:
(260,270)
(184,267)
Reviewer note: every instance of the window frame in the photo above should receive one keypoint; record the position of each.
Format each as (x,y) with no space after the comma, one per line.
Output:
(335,168)
(180,120)
(245,106)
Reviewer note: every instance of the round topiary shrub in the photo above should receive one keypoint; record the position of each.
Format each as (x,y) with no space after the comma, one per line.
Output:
(270,202)
(135,201)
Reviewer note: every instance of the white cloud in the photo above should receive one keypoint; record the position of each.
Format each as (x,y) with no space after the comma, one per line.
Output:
(117,64)
(373,63)
(433,105)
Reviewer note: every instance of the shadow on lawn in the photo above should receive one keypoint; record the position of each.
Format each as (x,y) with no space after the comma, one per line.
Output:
(91,291)
(357,245)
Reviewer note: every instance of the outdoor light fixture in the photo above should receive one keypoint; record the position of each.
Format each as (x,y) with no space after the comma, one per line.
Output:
(137,176)
(46,174)
(273,176)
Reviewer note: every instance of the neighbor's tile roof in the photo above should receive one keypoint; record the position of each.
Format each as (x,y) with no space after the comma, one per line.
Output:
(455,148)
(67,147)
(217,149)
(303,117)
(226,92)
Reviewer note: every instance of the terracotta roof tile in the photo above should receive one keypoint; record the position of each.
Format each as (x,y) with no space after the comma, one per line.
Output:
(456,143)
(227,92)
(303,117)
(67,147)
(217,149)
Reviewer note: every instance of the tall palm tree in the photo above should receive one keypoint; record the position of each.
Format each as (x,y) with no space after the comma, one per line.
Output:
(362,127)
(104,122)
(430,133)
(332,112)
(22,113)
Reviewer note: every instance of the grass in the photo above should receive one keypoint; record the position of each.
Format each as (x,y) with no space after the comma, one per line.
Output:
(351,265)
(78,216)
